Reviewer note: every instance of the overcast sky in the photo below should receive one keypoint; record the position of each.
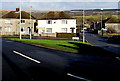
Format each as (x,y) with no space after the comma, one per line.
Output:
(59,4)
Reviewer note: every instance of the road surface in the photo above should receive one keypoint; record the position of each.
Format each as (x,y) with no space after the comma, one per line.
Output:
(101,42)
(24,62)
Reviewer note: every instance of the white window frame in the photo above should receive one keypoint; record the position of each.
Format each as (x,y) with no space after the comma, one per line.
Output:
(64,30)
(48,31)
(7,29)
(8,21)
(64,21)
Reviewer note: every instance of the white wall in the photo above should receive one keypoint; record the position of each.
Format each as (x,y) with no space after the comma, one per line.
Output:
(57,27)
(116,26)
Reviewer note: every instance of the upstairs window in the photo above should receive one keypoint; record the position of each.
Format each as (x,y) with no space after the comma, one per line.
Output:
(7,21)
(49,22)
(22,21)
(64,21)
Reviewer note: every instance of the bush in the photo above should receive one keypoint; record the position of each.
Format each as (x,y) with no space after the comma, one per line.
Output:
(66,35)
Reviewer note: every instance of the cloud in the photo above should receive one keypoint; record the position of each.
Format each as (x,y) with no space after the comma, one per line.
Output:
(60,0)
(44,6)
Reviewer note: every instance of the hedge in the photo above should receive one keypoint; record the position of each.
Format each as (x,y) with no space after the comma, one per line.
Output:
(65,35)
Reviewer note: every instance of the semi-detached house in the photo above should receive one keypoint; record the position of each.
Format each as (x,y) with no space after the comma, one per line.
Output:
(56,22)
(10,23)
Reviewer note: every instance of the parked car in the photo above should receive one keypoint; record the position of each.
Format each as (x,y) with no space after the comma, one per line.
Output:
(114,39)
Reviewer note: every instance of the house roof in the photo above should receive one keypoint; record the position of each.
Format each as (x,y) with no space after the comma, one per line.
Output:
(16,15)
(55,15)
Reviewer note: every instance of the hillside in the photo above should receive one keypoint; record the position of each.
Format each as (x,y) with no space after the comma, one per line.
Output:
(73,12)
(90,15)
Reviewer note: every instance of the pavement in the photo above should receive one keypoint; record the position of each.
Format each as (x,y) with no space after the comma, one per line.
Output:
(102,43)
(24,62)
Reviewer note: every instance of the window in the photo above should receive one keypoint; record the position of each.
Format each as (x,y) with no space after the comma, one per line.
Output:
(49,22)
(23,29)
(7,21)
(43,31)
(23,21)
(7,29)
(64,29)
(54,22)
(64,21)
(49,30)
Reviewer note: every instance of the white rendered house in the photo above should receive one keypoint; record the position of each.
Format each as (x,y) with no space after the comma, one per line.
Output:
(57,26)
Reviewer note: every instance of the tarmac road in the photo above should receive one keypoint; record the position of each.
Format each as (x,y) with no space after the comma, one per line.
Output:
(101,42)
(24,62)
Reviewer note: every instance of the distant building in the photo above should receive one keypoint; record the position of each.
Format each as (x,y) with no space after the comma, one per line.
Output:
(56,22)
(97,26)
(115,26)
(10,23)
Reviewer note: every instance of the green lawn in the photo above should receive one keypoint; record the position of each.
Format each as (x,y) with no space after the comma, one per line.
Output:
(67,45)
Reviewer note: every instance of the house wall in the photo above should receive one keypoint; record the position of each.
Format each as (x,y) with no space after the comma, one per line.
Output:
(116,26)
(57,26)
(12,26)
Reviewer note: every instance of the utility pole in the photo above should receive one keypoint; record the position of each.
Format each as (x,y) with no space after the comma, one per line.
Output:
(20,20)
(101,21)
(83,27)
(30,24)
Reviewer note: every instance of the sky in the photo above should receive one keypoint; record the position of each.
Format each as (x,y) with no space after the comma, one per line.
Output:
(59,4)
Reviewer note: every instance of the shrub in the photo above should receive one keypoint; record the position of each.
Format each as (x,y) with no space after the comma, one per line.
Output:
(66,35)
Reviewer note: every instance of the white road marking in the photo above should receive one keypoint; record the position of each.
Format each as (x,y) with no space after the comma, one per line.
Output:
(26,57)
(118,58)
(78,77)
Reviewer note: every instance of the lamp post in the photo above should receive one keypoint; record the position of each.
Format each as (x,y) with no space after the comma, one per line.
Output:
(20,20)
(101,21)
(30,24)
(83,27)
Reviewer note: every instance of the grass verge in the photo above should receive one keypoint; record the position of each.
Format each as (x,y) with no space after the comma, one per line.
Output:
(64,45)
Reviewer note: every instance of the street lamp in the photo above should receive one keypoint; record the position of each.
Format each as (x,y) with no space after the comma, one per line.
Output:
(20,20)
(30,23)
(83,27)
(101,21)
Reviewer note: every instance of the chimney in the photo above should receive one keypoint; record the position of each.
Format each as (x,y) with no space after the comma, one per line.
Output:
(17,9)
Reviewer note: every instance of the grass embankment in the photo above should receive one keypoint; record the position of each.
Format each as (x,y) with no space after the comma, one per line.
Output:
(66,45)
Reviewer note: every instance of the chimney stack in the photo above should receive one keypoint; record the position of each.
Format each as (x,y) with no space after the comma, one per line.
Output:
(17,9)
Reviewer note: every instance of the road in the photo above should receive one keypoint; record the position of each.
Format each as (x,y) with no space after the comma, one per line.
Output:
(101,42)
(24,62)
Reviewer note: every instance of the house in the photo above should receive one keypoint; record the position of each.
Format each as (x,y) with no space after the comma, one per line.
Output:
(114,26)
(56,22)
(98,26)
(10,23)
